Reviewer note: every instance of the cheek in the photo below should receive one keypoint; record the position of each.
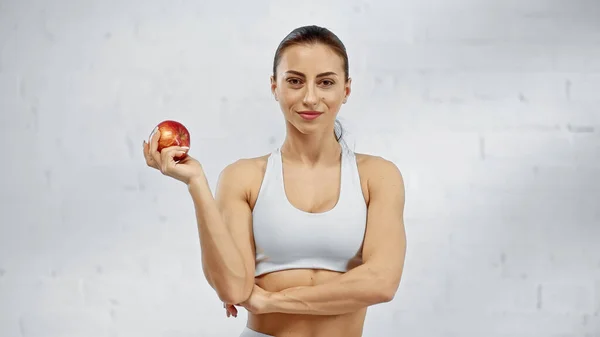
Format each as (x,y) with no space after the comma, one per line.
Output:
(333,94)
(290,97)
(333,99)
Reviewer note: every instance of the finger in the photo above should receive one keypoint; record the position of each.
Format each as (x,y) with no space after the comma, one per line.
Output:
(154,145)
(173,151)
(232,310)
(153,139)
(149,160)
(166,160)
(168,154)
(168,157)
(145,152)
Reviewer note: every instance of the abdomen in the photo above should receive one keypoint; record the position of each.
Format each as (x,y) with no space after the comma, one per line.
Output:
(290,325)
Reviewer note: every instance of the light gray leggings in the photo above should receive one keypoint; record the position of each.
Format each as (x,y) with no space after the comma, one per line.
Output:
(251,333)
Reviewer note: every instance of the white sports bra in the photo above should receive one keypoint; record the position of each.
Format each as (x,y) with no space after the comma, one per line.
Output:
(286,237)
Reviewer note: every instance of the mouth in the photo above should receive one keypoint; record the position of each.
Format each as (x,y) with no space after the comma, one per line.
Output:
(309,115)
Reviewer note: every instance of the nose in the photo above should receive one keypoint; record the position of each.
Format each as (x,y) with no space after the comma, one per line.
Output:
(310,97)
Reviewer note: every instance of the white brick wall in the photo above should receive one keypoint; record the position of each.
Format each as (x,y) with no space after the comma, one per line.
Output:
(489,108)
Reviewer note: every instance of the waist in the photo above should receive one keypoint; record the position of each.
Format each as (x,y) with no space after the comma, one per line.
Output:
(284,325)
(288,325)
(281,280)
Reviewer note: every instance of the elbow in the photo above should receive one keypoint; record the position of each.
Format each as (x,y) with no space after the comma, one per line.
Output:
(236,293)
(386,293)
(230,297)
(231,289)
(234,296)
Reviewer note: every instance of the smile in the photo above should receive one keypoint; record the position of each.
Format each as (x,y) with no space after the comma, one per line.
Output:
(309,115)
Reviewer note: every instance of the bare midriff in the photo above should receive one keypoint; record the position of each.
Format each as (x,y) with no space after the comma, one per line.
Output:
(293,325)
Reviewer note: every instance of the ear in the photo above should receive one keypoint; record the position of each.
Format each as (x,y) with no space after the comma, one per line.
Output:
(274,87)
(347,89)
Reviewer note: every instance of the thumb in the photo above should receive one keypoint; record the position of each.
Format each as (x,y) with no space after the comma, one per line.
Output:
(175,154)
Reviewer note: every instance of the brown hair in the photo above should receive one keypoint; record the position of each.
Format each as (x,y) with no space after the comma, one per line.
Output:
(309,35)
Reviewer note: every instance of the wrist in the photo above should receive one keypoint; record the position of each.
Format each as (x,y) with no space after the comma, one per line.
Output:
(196,181)
(271,300)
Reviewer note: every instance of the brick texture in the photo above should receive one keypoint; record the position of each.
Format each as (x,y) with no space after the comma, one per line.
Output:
(489,109)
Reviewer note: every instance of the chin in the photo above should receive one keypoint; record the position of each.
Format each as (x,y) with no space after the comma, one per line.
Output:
(307,130)
(310,129)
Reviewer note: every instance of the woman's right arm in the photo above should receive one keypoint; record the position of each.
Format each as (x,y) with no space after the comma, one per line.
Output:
(225,231)
(224,222)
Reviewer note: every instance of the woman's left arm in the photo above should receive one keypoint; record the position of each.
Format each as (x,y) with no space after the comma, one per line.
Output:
(377,279)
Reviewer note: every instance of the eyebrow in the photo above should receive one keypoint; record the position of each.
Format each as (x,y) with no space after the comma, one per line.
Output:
(329,73)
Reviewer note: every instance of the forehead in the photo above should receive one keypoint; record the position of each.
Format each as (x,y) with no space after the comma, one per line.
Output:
(311,59)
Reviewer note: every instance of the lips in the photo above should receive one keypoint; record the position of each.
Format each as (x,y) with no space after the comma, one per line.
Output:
(309,115)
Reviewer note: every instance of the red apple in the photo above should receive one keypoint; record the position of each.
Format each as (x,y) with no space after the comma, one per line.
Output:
(172,133)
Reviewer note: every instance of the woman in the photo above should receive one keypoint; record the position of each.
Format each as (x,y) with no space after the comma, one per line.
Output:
(310,235)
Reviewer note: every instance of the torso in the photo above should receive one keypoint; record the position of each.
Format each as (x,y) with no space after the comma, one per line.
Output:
(313,191)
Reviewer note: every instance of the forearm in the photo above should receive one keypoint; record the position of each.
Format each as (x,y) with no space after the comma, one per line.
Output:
(221,260)
(346,293)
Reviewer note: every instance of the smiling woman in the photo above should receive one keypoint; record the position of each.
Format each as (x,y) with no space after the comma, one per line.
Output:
(306,237)
(305,48)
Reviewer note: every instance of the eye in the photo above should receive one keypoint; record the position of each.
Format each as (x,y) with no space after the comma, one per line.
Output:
(294,81)
(328,83)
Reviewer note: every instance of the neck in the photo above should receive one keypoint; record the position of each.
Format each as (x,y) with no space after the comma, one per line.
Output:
(311,149)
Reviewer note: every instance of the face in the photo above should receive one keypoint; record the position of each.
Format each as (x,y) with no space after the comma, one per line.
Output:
(310,87)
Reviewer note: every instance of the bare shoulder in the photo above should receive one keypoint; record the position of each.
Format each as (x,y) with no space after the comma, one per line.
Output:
(244,176)
(378,170)
(245,169)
